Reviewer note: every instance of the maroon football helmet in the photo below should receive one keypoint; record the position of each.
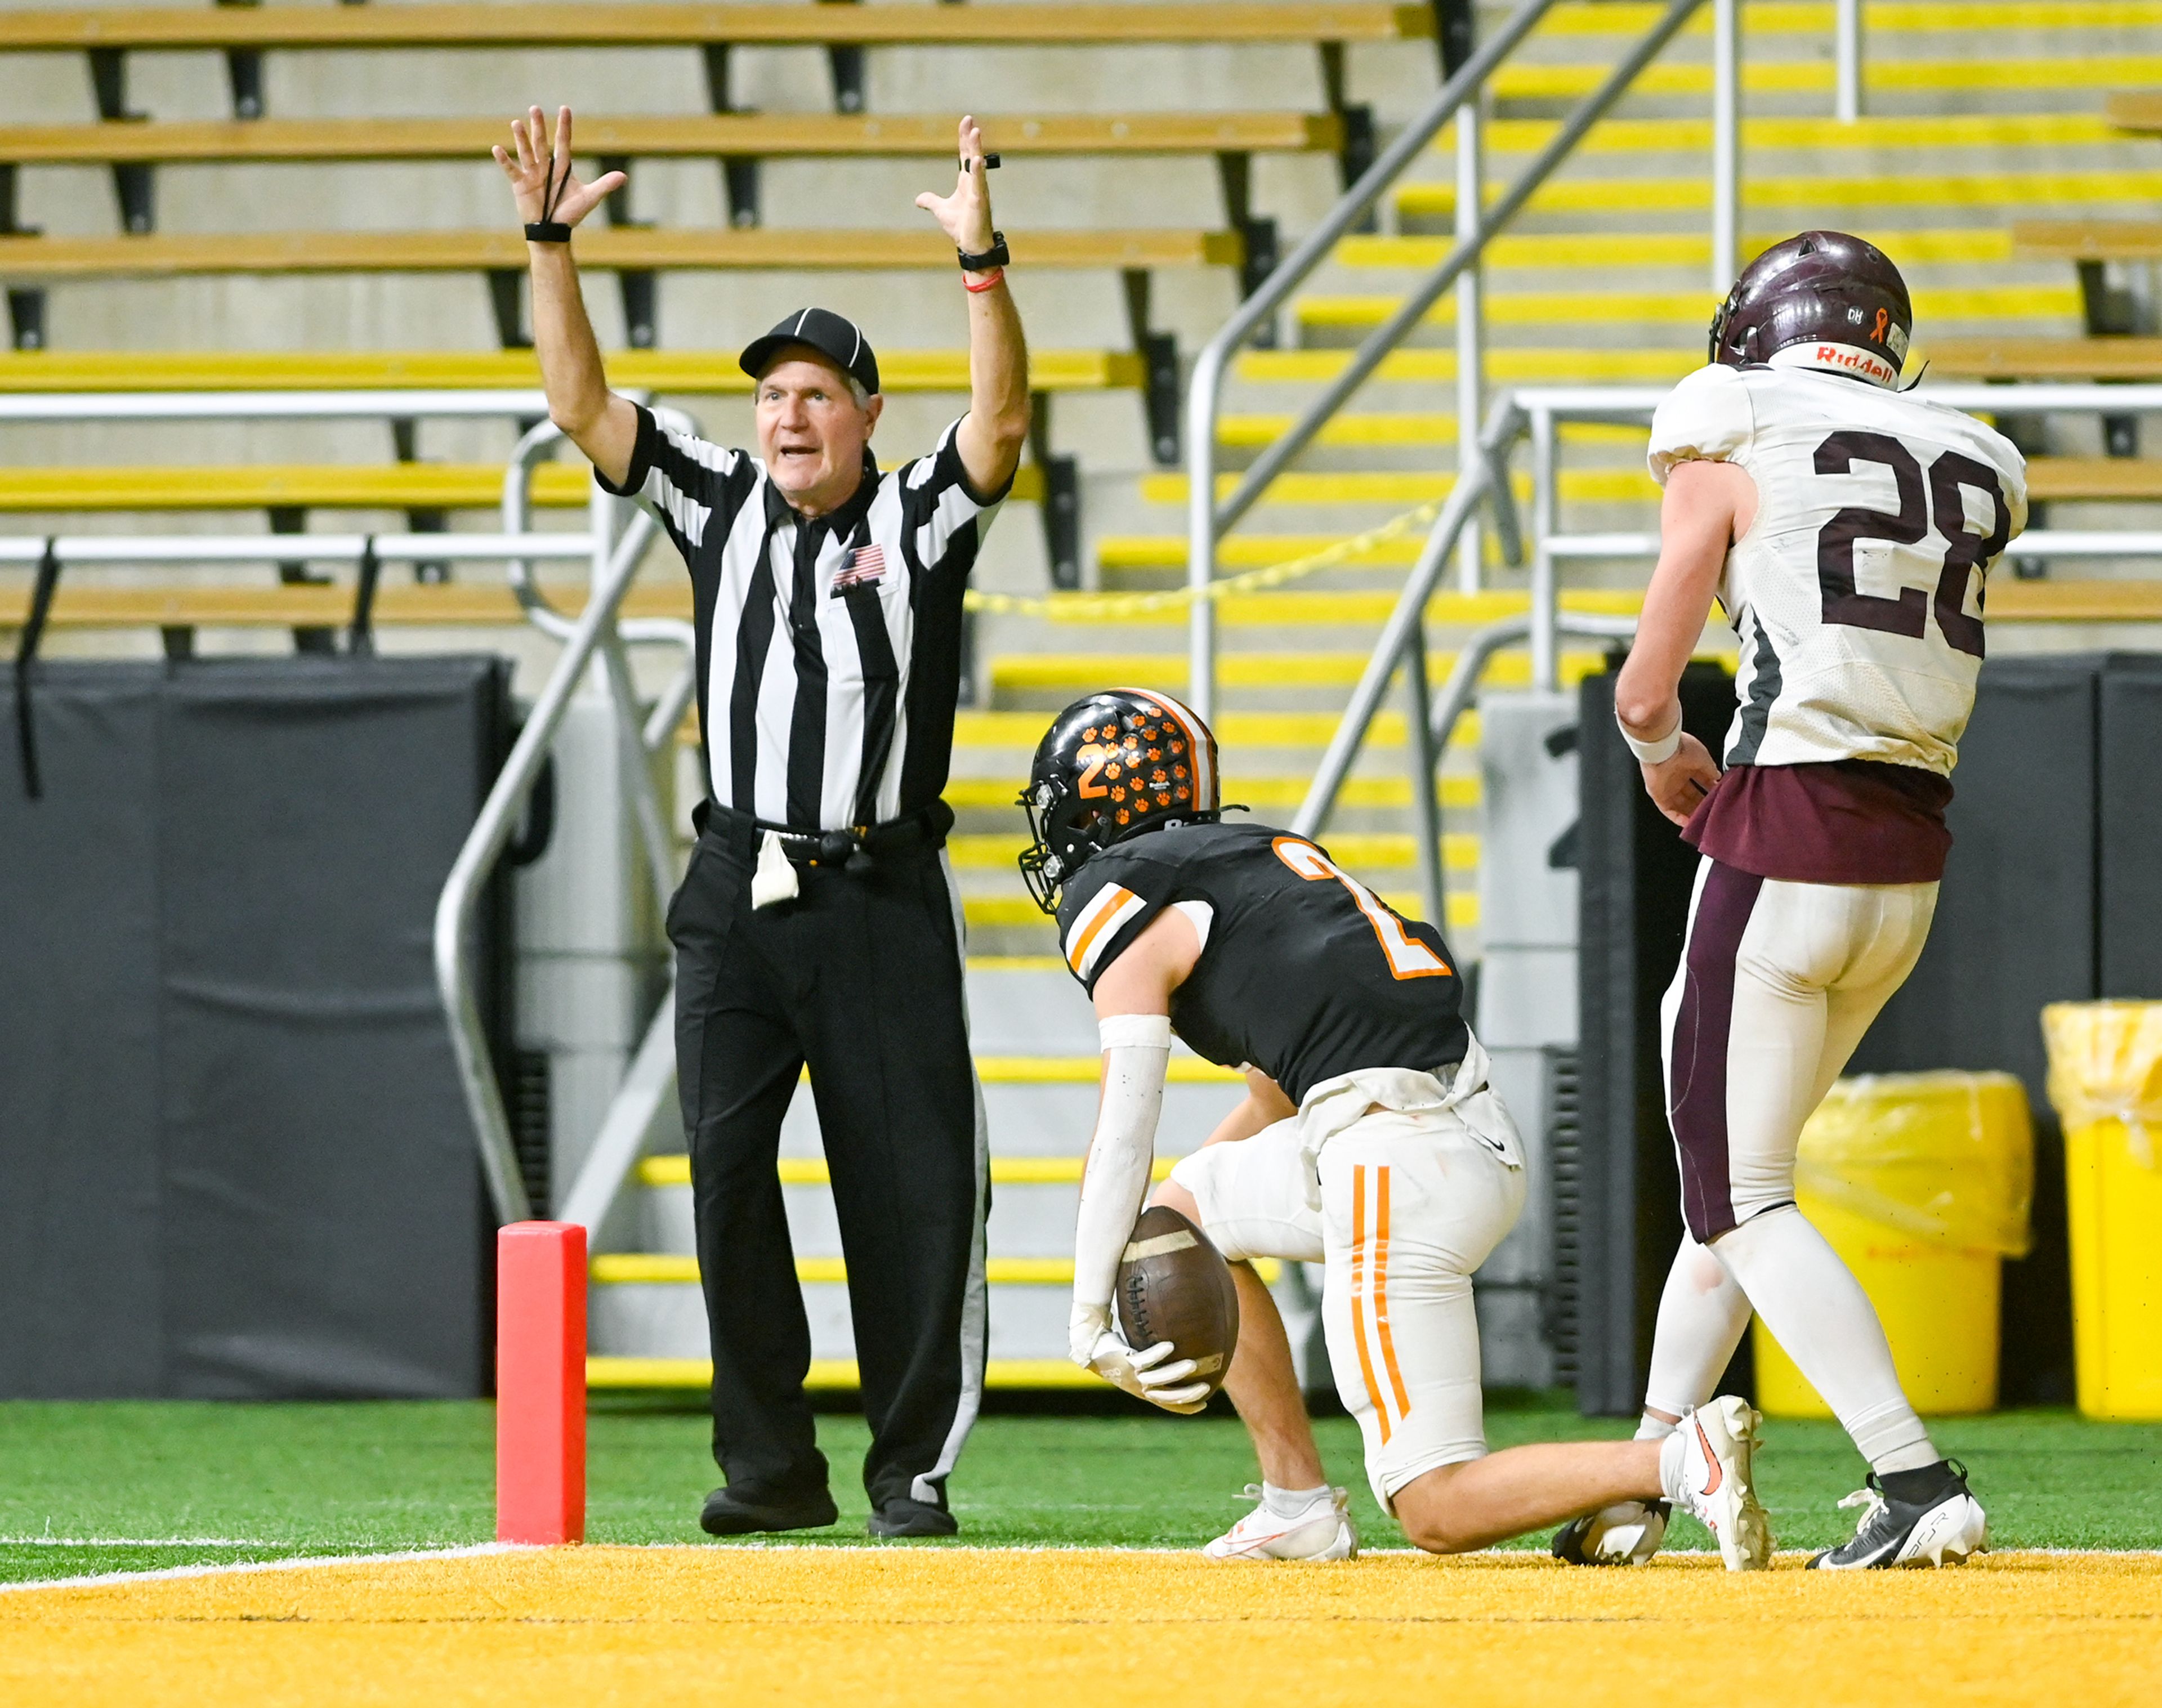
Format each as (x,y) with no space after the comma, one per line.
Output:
(1824,287)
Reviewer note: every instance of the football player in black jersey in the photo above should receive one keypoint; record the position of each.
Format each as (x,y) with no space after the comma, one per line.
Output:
(1368,1142)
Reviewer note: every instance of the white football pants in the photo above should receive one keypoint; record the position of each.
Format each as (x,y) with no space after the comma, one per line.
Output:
(1412,1202)
(1777,983)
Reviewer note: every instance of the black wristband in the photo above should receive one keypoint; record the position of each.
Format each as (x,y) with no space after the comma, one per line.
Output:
(995,256)
(548,231)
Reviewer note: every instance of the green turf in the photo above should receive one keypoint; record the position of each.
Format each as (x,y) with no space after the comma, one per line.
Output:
(271,1480)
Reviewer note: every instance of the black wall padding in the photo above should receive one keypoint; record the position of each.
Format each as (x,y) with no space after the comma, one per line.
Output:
(2130,833)
(1634,874)
(234,1159)
(2052,893)
(2015,929)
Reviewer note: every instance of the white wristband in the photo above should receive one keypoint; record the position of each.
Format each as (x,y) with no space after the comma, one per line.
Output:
(1653,753)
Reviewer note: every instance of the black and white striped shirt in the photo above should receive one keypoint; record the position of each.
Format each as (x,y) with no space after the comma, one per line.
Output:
(829,650)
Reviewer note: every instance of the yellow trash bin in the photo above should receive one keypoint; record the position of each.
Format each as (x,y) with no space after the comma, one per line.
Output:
(2106,1081)
(1922,1182)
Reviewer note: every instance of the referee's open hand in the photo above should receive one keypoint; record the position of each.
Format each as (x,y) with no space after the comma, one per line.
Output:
(966,214)
(539,167)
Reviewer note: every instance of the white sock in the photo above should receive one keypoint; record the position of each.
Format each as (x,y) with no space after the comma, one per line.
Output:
(1819,1315)
(1672,1483)
(1703,1313)
(1289,1503)
(1652,1429)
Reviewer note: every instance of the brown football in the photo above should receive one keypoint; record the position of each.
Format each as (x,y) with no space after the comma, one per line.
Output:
(1174,1285)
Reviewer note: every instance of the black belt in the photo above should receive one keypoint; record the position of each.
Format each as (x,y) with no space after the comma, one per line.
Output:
(741,833)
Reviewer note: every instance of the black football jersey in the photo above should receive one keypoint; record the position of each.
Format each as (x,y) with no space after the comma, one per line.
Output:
(1306,972)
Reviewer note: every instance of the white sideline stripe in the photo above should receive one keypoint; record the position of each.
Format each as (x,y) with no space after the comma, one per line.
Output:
(210,1570)
(50,1541)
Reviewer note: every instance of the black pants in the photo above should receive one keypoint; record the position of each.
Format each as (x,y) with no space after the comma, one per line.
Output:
(860,977)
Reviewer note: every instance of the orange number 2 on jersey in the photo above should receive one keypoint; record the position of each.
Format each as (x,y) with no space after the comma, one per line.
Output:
(1408,956)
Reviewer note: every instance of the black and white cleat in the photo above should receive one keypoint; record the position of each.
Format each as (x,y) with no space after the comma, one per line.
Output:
(1912,1518)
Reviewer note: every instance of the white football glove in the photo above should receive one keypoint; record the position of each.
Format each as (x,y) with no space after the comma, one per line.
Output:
(1095,1345)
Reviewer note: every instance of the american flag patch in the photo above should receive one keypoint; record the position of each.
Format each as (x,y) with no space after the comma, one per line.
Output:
(866,567)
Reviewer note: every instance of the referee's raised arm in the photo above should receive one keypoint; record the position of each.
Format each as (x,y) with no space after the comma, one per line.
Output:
(992,432)
(550,200)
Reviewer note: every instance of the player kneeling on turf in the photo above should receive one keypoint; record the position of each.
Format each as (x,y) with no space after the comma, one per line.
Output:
(1368,1142)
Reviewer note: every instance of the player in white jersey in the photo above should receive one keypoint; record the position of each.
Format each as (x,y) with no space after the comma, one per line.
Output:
(1845,527)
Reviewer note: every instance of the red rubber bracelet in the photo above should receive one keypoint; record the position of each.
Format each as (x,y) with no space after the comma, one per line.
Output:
(992,280)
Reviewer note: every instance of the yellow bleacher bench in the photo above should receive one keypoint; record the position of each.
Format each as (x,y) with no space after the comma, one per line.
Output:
(2088,239)
(530,25)
(389,486)
(2045,358)
(2139,111)
(42,259)
(2090,244)
(245,34)
(635,254)
(81,602)
(676,373)
(2092,477)
(738,139)
(698,136)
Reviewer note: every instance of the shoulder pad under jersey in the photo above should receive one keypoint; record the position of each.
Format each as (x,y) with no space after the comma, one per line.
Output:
(1109,902)
(1706,417)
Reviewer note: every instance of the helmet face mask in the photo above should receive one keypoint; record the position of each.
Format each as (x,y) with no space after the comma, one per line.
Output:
(1115,764)
(1826,289)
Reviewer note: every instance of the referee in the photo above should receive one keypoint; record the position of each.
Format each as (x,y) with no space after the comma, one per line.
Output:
(818,921)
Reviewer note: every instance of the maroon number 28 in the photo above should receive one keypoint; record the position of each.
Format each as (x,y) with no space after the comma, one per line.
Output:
(1965,552)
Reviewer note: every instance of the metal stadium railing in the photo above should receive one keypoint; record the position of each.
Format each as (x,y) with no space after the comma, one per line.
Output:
(1208,521)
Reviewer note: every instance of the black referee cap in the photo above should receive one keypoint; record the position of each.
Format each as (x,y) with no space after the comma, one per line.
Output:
(831,335)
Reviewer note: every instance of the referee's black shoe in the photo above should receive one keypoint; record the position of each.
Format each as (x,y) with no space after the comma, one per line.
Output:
(727,1514)
(901,1516)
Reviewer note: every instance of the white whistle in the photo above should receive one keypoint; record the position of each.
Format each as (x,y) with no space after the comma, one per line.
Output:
(774,880)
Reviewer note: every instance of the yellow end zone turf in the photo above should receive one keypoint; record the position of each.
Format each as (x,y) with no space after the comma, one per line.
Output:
(960,1627)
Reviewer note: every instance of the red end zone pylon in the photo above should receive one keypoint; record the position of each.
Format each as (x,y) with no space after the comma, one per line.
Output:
(540,1382)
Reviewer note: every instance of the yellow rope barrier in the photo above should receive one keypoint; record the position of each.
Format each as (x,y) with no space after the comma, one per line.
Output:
(1097,607)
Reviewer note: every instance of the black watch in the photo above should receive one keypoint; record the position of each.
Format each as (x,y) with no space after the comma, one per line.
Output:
(995,256)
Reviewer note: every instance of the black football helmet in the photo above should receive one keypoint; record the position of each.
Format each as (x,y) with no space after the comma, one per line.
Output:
(1119,762)
(1825,287)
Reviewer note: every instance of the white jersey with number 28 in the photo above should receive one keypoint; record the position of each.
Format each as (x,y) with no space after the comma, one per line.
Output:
(1856,593)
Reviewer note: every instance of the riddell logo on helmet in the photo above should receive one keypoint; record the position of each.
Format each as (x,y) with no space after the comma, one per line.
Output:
(1839,358)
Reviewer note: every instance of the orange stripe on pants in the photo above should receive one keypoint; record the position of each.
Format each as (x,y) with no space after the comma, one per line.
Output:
(1359,1294)
(1381,1290)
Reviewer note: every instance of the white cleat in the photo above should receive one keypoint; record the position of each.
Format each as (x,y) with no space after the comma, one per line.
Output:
(1322,1532)
(1710,1474)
